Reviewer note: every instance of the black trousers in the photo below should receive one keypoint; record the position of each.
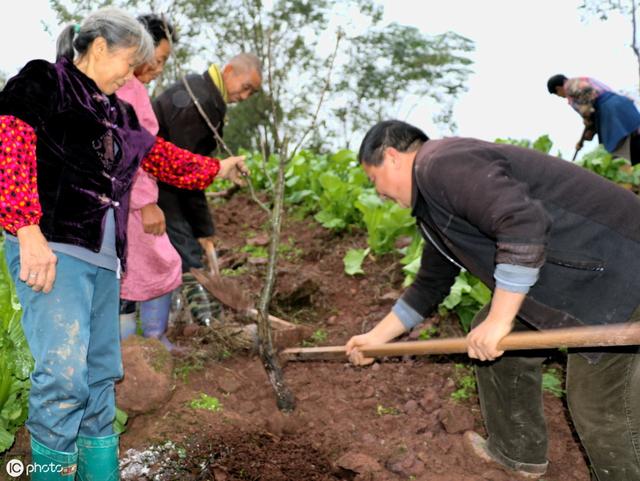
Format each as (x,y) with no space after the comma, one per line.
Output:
(179,229)
(634,147)
(603,399)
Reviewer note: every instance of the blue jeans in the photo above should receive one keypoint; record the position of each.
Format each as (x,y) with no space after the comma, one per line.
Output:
(73,334)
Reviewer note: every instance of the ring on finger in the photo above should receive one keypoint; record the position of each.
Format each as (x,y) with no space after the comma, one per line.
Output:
(33,274)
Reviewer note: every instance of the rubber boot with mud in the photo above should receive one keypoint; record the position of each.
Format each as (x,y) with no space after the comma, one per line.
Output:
(98,458)
(197,300)
(51,465)
(154,318)
(128,322)
(477,445)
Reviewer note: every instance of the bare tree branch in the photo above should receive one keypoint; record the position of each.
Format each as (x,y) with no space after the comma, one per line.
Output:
(265,161)
(213,128)
(274,110)
(327,84)
(634,39)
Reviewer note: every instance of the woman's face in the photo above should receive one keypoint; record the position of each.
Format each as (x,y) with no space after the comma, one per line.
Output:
(150,71)
(110,68)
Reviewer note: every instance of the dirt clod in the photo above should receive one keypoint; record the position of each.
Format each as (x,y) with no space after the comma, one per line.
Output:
(359,463)
(147,383)
(456,418)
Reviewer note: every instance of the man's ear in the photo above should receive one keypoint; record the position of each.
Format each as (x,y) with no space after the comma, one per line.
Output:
(393,155)
(227,69)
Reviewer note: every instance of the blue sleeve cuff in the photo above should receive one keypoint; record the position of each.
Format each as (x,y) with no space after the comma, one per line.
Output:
(407,315)
(513,278)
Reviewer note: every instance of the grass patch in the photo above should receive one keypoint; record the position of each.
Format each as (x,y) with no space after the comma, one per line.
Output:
(209,403)
(185,368)
(552,382)
(426,334)
(386,411)
(465,381)
(320,335)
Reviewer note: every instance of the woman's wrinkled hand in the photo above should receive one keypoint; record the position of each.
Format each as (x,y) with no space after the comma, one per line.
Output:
(234,169)
(37,260)
(153,221)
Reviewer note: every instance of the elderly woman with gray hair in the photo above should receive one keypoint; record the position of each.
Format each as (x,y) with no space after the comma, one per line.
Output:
(69,152)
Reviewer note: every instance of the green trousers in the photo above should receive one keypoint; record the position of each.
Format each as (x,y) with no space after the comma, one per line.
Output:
(603,399)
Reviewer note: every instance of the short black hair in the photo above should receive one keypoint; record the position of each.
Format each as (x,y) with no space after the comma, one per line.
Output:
(158,26)
(554,82)
(389,133)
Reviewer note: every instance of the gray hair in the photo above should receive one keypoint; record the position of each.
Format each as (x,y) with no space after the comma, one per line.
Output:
(244,62)
(118,28)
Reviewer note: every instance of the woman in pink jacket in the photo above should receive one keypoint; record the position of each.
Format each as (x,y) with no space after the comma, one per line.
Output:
(154,265)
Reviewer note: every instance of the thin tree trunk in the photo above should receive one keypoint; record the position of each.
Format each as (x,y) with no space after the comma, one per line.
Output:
(284,397)
(634,40)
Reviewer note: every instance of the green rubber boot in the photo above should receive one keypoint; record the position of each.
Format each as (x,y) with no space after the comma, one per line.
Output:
(98,458)
(51,465)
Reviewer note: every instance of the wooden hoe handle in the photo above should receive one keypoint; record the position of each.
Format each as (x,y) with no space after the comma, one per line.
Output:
(592,336)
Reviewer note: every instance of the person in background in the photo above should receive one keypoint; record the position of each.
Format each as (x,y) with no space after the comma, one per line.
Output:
(70,150)
(154,267)
(520,221)
(188,220)
(612,116)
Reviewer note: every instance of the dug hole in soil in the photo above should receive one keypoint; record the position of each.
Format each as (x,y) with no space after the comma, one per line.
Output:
(394,420)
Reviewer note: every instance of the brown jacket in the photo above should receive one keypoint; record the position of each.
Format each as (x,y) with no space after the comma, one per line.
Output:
(479,204)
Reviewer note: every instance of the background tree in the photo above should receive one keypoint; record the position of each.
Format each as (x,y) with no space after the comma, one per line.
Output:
(388,63)
(374,69)
(626,8)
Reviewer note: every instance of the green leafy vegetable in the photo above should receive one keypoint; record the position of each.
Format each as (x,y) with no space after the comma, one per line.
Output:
(385,221)
(467,296)
(120,422)
(353,261)
(16,362)
(207,402)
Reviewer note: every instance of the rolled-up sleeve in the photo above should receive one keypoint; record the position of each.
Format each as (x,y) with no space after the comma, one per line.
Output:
(514,278)
(408,316)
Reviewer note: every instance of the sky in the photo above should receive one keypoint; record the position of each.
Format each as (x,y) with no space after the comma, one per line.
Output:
(519,45)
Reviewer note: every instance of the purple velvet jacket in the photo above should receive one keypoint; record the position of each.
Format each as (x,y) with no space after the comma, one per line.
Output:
(88,150)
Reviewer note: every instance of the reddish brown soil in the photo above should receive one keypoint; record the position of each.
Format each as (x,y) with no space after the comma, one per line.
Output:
(394,420)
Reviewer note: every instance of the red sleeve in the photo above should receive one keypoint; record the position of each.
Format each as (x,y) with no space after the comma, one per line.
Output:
(19,202)
(179,167)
